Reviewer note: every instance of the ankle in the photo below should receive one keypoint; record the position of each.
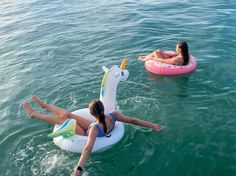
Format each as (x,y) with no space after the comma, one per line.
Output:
(32,114)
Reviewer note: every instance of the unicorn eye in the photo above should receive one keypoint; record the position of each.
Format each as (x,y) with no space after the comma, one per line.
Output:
(122,73)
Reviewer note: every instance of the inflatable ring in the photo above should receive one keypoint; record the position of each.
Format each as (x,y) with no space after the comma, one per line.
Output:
(76,143)
(168,69)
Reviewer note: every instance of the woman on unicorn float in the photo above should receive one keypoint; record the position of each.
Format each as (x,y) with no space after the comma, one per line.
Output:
(180,58)
(103,125)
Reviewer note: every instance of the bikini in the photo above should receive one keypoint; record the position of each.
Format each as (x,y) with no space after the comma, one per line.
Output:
(100,130)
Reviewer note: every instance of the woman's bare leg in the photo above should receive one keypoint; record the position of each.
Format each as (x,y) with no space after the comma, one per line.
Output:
(150,56)
(80,131)
(161,54)
(156,54)
(83,123)
(56,110)
(52,119)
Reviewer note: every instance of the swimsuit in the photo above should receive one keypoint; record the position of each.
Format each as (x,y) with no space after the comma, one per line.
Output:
(100,130)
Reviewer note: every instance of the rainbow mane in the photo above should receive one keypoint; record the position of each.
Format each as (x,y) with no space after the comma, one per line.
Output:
(104,80)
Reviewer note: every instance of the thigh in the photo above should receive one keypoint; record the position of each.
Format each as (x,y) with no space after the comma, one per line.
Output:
(84,123)
(56,110)
(79,130)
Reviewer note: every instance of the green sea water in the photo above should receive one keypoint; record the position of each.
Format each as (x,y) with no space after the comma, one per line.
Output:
(56,49)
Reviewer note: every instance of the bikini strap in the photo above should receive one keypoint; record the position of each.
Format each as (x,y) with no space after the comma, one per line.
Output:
(99,129)
(112,117)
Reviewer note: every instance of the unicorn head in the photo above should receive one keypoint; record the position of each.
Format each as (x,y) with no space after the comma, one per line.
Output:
(110,82)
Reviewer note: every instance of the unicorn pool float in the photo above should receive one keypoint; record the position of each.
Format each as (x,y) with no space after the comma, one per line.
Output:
(64,135)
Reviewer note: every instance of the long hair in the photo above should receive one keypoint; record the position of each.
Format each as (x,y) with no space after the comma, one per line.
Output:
(96,108)
(184,51)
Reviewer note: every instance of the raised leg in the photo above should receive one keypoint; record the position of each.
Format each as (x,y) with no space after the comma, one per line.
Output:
(54,109)
(158,54)
(81,122)
(161,54)
(52,119)
(150,56)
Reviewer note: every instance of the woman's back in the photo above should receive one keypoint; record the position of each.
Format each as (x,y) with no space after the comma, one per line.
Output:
(110,123)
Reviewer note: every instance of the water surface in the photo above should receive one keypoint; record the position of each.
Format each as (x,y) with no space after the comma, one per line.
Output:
(55,49)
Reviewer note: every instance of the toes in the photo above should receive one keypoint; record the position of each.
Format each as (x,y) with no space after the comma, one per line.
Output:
(34,97)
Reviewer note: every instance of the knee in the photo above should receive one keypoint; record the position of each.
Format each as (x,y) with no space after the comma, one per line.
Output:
(64,116)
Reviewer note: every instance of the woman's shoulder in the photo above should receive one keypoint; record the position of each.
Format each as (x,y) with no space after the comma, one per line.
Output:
(114,113)
(110,114)
(94,128)
(118,116)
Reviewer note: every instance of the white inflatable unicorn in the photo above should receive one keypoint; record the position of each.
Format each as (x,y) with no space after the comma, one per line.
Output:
(110,82)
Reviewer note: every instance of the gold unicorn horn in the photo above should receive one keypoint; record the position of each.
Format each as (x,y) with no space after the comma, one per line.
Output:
(123,64)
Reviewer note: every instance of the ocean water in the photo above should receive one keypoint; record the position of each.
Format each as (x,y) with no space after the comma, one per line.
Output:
(56,49)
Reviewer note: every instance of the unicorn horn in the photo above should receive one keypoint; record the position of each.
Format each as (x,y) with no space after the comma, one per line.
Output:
(123,64)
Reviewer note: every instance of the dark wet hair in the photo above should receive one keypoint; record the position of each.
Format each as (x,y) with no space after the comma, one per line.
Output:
(184,51)
(96,108)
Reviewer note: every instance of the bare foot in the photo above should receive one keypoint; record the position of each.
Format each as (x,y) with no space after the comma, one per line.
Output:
(142,58)
(157,127)
(39,101)
(28,109)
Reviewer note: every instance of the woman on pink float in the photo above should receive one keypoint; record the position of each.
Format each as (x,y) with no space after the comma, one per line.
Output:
(169,62)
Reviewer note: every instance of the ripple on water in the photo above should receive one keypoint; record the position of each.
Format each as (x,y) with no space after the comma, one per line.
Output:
(33,154)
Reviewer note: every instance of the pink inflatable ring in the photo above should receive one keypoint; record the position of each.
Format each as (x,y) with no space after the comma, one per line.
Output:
(168,69)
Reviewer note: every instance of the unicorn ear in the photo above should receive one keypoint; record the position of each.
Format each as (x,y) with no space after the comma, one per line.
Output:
(105,68)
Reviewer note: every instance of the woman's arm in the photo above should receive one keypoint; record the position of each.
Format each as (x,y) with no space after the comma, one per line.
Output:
(93,132)
(149,56)
(126,119)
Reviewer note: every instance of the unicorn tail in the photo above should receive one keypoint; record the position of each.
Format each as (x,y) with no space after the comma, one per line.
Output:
(66,129)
